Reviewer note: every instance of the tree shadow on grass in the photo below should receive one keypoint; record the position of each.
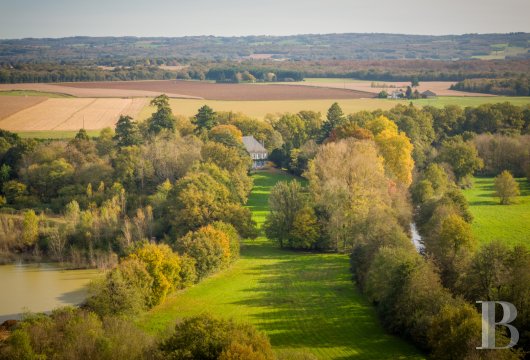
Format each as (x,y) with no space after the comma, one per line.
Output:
(309,301)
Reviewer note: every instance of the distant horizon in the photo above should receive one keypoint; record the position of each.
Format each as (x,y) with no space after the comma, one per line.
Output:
(263,35)
(236,18)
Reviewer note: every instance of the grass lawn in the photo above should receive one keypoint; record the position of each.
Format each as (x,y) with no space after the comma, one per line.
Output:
(303,301)
(34,93)
(258,109)
(509,223)
(54,134)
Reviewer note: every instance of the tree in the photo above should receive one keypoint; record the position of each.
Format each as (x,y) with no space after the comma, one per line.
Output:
(209,338)
(205,119)
(452,247)
(30,228)
(162,118)
(228,135)
(163,265)
(334,118)
(292,129)
(209,247)
(105,141)
(408,92)
(506,188)
(348,186)
(305,231)
(396,149)
(285,200)
(382,94)
(82,135)
(127,132)
(462,156)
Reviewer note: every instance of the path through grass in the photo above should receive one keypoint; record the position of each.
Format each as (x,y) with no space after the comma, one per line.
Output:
(492,221)
(303,301)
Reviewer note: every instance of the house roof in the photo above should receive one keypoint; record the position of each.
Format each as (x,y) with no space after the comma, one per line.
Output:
(428,93)
(252,145)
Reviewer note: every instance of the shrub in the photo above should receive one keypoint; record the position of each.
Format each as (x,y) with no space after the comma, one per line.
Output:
(209,247)
(163,265)
(72,334)
(205,337)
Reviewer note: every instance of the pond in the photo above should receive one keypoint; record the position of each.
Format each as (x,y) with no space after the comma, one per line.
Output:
(40,288)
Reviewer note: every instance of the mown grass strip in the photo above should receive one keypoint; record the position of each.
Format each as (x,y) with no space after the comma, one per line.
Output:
(303,301)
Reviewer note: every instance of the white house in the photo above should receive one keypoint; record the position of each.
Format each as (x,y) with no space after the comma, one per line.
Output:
(257,151)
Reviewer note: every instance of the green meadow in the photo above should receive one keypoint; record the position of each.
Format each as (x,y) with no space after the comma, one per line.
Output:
(303,301)
(34,93)
(492,221)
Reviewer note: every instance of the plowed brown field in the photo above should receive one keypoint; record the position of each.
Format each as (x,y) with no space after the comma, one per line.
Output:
(213,91)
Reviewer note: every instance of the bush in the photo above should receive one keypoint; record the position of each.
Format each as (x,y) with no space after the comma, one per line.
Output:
(208,338)
(233,237)
(209,247)
(163,265)
(72,334)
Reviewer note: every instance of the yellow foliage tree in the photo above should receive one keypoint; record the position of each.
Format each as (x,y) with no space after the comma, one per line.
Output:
(163,265)
(396,149)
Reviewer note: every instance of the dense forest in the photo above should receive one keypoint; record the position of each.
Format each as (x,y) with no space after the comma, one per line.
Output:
(519,86)
(127,51)
(160,204)
(267,70)
(383,57)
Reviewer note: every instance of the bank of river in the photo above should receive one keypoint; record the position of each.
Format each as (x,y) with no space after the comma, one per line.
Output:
(40,288)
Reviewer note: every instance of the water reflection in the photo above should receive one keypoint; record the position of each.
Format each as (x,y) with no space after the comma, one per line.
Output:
(40,288)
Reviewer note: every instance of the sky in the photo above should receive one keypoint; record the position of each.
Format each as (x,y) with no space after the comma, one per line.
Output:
(61,18)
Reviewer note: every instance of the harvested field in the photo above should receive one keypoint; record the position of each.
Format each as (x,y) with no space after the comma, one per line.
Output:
(72,114)
(259,109)
(213,91)
(103,91)
(10,105)
(441,88)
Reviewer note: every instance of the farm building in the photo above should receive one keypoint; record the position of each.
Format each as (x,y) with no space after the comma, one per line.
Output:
(257,151)
(428,94)
(397,94)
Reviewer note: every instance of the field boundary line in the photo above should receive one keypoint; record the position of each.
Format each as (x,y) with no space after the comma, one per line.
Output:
(27,108)
(74,113)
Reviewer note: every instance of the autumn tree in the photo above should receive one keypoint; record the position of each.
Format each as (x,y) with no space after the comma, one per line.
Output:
(452,246)
(462,156)
(506,188)
(210,338)
(30,228)
(163,265)
(347,184)
(285,201)
(209,247)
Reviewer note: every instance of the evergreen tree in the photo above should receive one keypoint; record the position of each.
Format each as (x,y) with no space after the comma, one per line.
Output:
(162,118)
(127,132)
(334,118)
(82,135)
(205,119)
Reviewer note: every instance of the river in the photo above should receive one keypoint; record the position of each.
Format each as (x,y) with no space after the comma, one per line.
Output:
(40,288)
(416,238)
